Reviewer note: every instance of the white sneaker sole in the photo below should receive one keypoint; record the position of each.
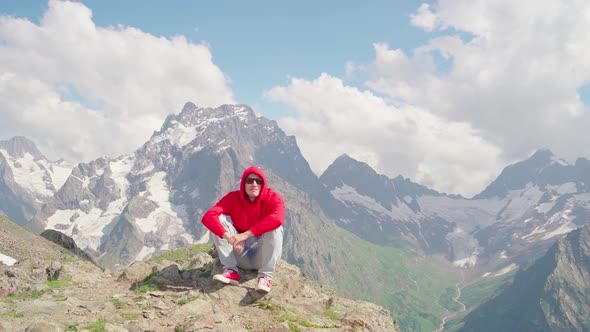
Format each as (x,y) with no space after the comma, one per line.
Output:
(221,279)
(262,289)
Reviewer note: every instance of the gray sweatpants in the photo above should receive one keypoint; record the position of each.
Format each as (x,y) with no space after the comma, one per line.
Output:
(260,253)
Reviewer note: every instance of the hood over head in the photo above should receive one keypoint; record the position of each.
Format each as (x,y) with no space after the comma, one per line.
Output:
(263,187)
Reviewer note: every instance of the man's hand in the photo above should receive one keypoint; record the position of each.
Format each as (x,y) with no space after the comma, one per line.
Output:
(243,236)
(239,248)
(237,240)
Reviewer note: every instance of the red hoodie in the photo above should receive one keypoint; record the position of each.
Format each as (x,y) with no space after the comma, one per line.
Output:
(265,213)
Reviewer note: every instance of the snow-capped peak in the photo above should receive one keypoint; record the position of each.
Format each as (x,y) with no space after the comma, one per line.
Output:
(181,129)
(31,170)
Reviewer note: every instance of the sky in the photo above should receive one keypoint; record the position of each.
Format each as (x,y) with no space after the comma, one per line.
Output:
(446,92)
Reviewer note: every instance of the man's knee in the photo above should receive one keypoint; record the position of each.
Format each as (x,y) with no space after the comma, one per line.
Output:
(275,234)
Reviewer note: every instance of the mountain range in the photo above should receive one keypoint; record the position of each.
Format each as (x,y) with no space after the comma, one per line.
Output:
(349,219)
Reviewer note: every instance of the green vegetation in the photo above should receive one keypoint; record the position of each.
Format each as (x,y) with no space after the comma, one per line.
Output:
(58,283)
(17,296)
(205,274)
(400,279)
(147,288)
(182,256)
(291,317)
(293,327)
(305,323)
(477,293)
(13,314)
(331,314)
(148,285)
(447,300)
(185,300)
(118,303)
(96,326)
(129,315)
(265,304)
(484,289)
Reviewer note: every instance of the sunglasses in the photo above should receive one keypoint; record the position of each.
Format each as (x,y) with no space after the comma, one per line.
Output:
(251,180)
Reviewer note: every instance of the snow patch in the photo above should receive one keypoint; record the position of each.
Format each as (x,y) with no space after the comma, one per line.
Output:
(180,135)
(145,252)
(467,213)
(559,161)
(506,270)
(519,202)
(29,174)
(120,169)
(166,220)
(7,260)
(545,207)
(566,188)
(59,172)
(563,229)
(347,194)
(467,262)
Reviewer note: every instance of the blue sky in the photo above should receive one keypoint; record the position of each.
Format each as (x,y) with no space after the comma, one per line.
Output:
(444,92)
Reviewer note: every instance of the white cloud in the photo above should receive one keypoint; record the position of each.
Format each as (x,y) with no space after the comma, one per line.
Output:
(80,90)
(511,69)
(425,18)
(334,119)
(497,81)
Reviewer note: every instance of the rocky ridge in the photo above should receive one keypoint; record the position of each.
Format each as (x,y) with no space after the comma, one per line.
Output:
(550,295)
(171,292)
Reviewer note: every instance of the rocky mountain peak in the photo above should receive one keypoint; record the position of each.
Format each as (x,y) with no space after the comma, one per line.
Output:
(348,172)
(539,169)
(171,292)
(18,146)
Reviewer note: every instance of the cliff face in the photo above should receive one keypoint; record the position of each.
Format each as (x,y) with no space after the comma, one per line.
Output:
(49,289)
(551,295)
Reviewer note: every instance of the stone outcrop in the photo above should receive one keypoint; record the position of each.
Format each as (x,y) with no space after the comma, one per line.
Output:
(172,292)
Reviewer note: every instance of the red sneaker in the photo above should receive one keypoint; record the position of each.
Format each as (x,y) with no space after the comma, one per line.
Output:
(263,284)
(228,276)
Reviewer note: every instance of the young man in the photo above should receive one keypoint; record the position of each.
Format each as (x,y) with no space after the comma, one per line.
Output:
(247,230)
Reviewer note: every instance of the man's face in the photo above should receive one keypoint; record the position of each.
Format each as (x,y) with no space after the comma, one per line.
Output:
(253,185)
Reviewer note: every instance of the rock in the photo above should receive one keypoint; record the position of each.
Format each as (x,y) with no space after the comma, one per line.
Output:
(197,307)
(4,327)
(169,275)
(114,328)
(53,271)
(135,272)
(44,327)
(65,241)
(201,259)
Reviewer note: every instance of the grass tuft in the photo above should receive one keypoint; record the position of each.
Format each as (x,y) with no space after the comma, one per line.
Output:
(182,255)
(96,326)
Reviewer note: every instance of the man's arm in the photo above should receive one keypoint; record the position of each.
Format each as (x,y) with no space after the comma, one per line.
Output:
(274,220)
(211,217)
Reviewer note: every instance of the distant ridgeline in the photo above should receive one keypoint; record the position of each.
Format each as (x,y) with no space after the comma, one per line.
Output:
(339,225)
